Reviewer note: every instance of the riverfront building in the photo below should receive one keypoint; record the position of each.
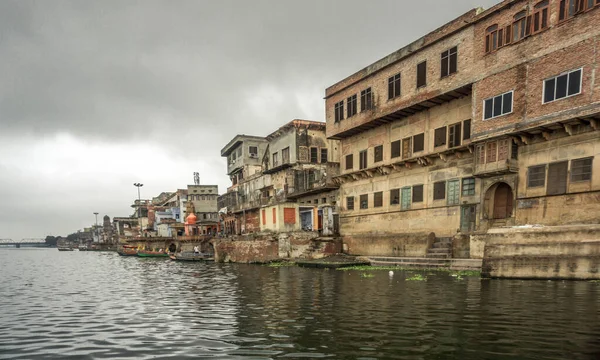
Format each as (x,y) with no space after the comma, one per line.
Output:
(489,121)
(282,182)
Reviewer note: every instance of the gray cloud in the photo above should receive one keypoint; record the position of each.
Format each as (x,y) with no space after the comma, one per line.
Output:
(186,76)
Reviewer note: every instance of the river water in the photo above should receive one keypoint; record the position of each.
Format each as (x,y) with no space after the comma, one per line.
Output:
(91,305)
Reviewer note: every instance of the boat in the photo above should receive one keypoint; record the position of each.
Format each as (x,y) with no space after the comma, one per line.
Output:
(127,250)
(150,253)
(65,248)
(191,256)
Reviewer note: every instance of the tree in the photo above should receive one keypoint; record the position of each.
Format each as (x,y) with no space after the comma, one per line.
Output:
(51,240)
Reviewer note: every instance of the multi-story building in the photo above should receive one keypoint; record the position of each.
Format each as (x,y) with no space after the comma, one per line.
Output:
(296,165)
(204,200)
(490,120)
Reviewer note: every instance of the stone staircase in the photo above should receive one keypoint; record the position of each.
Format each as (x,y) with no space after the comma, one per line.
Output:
(427,262)
(441,249)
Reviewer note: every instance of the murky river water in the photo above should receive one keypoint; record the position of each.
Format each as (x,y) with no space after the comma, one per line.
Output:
(87,305)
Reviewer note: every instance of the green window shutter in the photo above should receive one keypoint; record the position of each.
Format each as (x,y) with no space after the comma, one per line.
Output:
(453,192)
(406,200)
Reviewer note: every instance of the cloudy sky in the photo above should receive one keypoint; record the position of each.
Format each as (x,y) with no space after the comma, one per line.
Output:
(97,95)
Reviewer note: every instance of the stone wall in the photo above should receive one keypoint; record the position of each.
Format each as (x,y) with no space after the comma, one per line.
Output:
(554,252)
(410,245)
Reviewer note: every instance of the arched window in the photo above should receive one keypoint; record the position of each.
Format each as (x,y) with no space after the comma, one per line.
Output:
(491,38)
(521,26)
(540,15)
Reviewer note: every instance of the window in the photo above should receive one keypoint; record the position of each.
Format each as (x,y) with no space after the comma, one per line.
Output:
(491,38)
(285,155)
(468,186)
(378,199)
(503,149)
(362,160)
(350,203)
(439,190)
(395,150)
(536,176)
(323,155)
(418,143)
(491,152)
(417,194)
(289,215)
(314,153)
(339,111)
(406,200)
(395,197)
(581,169)
(454,135)
(351,104)
(323,200)
(480,153)
(520,27)
(467,129)
(570,8)
(349,162)
(274,216)
(557,178)
(449,61)
(253,150)
(264,217)
(453,192)
(394,86)
(275,160)
(540,16)
(366,100)
(562,86)
(364,201)
(422,74)
(406,149)
(439,137)
(514,151)
(378,153)
(498,105)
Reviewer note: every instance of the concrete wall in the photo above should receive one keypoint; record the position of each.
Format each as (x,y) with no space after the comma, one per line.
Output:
(561,252)
(409,245)
(274,218)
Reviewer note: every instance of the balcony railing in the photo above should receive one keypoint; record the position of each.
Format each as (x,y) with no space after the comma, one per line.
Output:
(308,181)
(497,168)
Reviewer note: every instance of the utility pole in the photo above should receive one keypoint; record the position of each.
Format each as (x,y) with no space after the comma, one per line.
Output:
(139,185)
(97,234)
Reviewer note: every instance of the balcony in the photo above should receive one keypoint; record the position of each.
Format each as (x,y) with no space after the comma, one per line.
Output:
(507,166)
(314,181)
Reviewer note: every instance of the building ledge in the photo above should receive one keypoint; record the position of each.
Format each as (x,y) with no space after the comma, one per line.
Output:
(316,190)
(278,168)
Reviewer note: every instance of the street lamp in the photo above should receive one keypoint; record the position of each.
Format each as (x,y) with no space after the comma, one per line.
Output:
(139,185)
(97,234)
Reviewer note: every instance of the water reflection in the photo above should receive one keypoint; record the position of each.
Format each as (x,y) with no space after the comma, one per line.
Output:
(100,305)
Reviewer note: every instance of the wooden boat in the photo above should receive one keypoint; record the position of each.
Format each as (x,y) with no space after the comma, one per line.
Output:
(65,249)
(149,253)
(127,251)
(190,256)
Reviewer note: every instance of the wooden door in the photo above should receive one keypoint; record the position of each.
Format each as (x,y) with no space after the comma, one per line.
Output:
(320,220)
(502,202)
(557,178)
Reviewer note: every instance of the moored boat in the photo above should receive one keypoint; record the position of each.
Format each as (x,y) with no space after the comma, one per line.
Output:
(127,250)
(191,256)
(65,249)
(150,253)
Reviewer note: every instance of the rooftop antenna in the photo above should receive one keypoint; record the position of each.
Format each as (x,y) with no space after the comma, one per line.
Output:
(196,178)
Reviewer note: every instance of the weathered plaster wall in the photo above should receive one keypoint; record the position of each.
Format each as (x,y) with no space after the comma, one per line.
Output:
(414,245)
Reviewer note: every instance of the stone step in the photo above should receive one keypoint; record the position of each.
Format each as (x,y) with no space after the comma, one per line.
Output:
(444,239)
(409,264)
(443,250)
(439,256)
(453,264)
(442,245)
(407,260)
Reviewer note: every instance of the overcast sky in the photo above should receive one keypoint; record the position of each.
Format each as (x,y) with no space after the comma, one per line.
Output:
(97,95)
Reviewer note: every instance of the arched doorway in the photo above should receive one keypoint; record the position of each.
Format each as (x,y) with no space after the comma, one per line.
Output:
(172,247)
(503,202)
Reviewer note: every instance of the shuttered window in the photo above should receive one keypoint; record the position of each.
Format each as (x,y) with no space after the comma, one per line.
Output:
(378,199)
(394,196)
(453,192)
(362,160)
(406,200)
(406,148)
(536,176)
(480,154)
(422,74)
(467,129)
(378,153)
(439,137)
(439,190)
(491,152)
(349,162)
(503,150)
(581,169)
(557,178)
(364,201)
(264,217)
(289,216)
(454,135)
(395,149)
(274,215)
(323,155)
(418,143)
(417,193)
(350,203)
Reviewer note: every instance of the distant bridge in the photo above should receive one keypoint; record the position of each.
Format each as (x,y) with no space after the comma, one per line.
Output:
(23,243)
